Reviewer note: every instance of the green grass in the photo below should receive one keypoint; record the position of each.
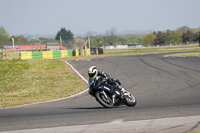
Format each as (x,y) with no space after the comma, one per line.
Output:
(32,81)
(193,132)
(185,55)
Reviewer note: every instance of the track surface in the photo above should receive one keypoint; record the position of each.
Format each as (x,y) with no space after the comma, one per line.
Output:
(163,87)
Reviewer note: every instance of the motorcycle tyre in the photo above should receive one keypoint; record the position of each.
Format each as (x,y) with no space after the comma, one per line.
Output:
(130,103)
(98,98)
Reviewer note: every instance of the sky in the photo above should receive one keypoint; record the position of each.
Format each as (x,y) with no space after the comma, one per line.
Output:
(82,16)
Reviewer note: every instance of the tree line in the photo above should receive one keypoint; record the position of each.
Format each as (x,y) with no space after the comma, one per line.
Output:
(182,35)
(66,35)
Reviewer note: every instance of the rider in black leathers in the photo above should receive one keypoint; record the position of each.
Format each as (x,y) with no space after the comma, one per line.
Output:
(93,73)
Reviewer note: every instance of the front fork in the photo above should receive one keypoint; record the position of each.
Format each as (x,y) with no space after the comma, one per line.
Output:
(114,98)
(105,94)
(115,95)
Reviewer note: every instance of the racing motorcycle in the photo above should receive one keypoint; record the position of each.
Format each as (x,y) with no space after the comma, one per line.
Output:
(107,95)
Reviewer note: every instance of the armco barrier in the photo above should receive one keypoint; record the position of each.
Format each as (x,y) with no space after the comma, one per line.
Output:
(56,54)
(64,53)
(87,51)
(26,55)
(52,54)
(45,54)
(37,55)
(11,56)
(69,52)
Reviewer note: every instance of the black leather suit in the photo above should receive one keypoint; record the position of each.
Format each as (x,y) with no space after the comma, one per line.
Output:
(110,81)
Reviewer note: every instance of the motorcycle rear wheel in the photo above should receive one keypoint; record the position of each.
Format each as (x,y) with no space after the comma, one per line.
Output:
(105,102)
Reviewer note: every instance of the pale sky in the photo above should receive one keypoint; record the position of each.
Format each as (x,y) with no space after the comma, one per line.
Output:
(80,16)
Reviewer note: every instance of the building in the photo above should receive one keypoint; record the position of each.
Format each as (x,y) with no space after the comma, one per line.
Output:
(135,45)
(109,47)
(52,46)
(124,46)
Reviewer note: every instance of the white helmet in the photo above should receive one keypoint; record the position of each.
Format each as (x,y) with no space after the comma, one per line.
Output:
(92,72)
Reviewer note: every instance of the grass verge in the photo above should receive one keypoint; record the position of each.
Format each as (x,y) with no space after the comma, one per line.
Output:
(33,81)
(152,50)
(185,55)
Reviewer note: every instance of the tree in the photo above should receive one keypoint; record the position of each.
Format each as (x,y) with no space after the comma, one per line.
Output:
(100,41)
(187,37)
(199,39)
(96,41)
(4,36)
(66,35)
(93,43)
(149,39)
(19,39)
(111,36)
(173,37)
(183,29)
(45,40)
(195,38)
(161,38)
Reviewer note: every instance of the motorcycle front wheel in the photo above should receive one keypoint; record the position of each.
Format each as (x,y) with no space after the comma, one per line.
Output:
(104,99)
(130,101)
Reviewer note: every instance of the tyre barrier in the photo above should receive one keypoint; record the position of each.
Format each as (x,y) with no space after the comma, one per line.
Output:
(96,51)
(85,52)
(75,52)
(10,55)
(45,55)
(26,55)
(53,54)
(37,55)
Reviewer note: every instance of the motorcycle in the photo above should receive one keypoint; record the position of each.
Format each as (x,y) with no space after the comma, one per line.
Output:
(107,95)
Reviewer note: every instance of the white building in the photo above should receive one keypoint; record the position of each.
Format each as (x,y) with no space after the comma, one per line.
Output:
(129,45)
(109,47)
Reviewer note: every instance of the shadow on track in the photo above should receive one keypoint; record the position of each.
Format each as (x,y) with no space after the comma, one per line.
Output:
(95,108)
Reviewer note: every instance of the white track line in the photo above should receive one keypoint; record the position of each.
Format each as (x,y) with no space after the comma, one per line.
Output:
(76,72)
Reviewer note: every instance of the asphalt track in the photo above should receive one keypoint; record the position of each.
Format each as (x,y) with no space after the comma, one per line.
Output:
(164,87)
